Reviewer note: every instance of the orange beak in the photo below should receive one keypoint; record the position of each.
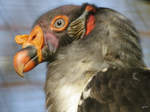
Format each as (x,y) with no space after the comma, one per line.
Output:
(31,54)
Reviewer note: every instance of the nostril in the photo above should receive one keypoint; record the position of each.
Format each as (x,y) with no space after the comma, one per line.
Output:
(33,37)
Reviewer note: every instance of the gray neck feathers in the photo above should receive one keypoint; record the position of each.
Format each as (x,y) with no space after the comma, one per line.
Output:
(116,39)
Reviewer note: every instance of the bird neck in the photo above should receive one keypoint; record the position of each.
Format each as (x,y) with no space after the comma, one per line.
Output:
(69,74)
(74,66)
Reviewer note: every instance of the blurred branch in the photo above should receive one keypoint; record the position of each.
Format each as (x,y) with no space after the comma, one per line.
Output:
(145,33)
(21,83)
(14,28)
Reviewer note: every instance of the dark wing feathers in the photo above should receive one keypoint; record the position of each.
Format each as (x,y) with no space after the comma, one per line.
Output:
(117,90)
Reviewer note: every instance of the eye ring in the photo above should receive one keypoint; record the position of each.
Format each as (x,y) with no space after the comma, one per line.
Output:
(61,21)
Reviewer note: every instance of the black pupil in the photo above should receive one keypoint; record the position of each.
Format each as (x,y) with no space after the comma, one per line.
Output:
(58,23)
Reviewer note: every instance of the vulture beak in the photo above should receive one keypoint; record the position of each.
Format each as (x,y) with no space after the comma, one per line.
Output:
(31,54)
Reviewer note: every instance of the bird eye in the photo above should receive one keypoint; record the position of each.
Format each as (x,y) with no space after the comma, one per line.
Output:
(59,23)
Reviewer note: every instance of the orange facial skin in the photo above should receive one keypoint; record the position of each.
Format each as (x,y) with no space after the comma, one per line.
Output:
(90,8)
(31,54)
(90,24)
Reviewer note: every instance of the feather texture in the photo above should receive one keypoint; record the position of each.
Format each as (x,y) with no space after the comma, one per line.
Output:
(103,72)
(118,90)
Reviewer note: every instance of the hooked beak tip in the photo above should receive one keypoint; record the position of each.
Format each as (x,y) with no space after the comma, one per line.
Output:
(23,61)
(18,66)
(20,71)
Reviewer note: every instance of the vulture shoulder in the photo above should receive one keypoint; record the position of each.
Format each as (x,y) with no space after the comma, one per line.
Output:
(117,90)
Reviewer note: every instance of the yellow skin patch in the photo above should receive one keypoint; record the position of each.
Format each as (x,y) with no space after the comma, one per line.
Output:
(20,39)
(35,39)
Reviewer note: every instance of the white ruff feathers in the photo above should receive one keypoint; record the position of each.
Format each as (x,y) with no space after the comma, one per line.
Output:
(71,95)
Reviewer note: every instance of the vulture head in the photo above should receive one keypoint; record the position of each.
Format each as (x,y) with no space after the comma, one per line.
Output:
(54,29)
(101,32)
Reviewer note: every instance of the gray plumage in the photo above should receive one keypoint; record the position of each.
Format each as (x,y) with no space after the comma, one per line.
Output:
(97,73)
